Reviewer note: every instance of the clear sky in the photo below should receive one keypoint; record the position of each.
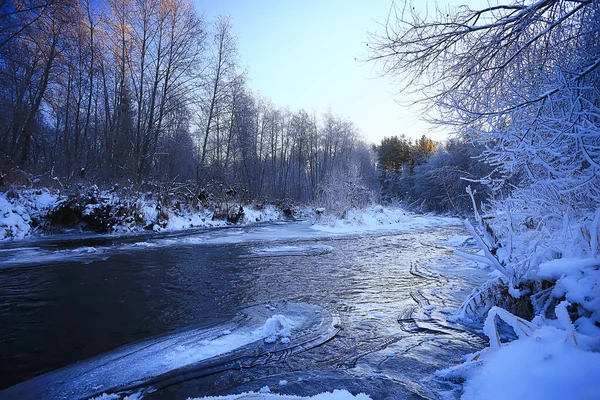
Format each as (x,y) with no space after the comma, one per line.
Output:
(302,54)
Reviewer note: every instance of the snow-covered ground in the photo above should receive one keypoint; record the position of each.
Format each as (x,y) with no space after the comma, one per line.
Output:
(379,219)
(21,213)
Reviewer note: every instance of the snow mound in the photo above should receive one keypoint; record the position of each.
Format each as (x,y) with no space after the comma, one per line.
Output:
(268,213)
(14,220)
(204,218)
(546,365)
(335,395)
(549,360)
(17,215)
(554,269)
(278,327)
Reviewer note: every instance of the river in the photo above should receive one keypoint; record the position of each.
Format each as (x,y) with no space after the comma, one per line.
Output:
(383,297)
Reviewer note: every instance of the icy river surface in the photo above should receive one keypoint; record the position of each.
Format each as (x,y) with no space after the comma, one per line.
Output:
(219,311)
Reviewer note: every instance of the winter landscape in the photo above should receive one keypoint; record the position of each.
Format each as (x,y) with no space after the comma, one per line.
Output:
(192,206)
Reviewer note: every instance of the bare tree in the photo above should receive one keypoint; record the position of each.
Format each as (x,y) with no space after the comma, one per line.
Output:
(29,63)
(219,82)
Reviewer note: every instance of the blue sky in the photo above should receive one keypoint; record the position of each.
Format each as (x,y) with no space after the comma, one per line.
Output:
(302,54)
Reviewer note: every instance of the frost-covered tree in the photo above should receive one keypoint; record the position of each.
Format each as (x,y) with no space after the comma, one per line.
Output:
(522,80)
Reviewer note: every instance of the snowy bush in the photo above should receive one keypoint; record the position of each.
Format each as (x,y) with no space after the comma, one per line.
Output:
(552,359)
(343,191)
(14,220)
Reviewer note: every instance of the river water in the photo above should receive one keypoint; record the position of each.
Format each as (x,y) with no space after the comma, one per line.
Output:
(383,298)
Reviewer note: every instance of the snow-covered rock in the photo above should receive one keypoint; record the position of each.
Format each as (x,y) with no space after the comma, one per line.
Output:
(15,222)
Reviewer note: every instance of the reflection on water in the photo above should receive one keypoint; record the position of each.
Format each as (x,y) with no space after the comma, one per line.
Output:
(391,305)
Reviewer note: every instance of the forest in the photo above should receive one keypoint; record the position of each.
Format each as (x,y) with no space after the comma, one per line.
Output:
(149,94)
(131,92)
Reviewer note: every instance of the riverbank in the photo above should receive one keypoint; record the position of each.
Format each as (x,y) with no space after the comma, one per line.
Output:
(29,212)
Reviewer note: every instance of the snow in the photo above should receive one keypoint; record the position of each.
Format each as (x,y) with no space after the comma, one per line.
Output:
(268,213)
(45,200)
(105,396)
(550,360)
(554,269)
(557,353)
(581,286)
(18,212)
(543,366)
(380,219)
(277,327)
(266,395)
(112,396)
(201,218)
(14,220)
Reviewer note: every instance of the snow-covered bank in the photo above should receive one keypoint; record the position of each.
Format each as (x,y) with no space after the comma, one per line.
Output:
(27,212)
(380,218)
(551,363)
(265,395)
(540,310)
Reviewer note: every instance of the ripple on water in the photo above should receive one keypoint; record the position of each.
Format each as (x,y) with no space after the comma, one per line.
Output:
(253,338)
(388,295)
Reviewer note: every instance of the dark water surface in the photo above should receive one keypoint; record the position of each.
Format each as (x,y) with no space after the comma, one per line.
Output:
(66,300)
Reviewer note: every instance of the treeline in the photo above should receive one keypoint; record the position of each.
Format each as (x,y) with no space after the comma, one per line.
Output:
(428,176)
(146,90)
